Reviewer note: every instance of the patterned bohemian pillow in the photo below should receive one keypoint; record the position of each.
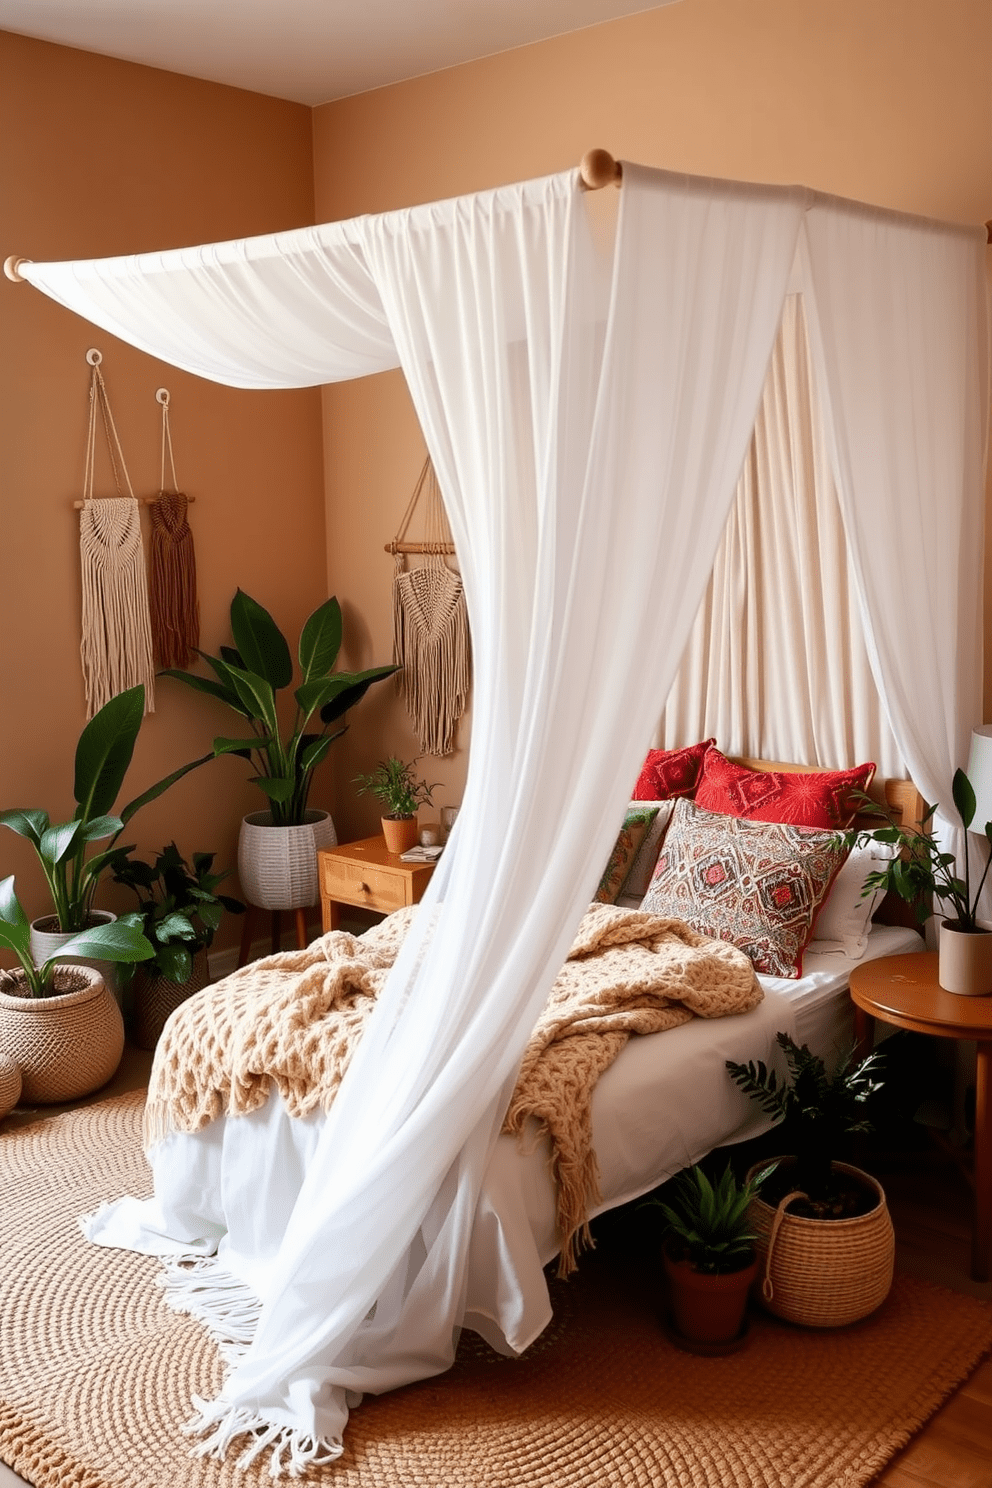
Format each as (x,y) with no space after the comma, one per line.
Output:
(635,885)
(757,884)
(669,773)
(637,820)
(813,798)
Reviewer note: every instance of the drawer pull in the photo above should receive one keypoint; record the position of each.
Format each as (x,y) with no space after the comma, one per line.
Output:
(364,888)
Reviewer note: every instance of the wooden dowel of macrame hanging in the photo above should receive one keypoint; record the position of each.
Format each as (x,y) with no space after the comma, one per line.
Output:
(418,547)
(141,500)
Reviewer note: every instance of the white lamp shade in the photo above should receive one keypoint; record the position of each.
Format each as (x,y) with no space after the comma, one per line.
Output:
(979,772)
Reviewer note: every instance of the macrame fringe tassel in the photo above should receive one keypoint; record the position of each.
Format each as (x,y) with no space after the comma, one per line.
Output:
(431,644)
(116,647)
(175,611)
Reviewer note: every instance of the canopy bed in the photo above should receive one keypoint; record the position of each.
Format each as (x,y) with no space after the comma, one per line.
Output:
(587,411)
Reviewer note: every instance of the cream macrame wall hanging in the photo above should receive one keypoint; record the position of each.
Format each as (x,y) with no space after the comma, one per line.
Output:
(175,610)
(116,645)
(430,624)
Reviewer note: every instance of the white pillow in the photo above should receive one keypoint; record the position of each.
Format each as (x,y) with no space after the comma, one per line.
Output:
(845,919)
(635,885)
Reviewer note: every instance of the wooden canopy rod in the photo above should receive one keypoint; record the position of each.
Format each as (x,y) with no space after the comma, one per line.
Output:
(418,547)
(141,500)
(599,169)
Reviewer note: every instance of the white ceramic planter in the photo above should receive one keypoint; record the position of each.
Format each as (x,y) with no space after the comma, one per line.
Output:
(965,961)
(278,865)
(45,944)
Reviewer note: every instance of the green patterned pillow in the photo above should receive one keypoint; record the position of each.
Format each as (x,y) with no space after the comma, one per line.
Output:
(633,832)
(757,884)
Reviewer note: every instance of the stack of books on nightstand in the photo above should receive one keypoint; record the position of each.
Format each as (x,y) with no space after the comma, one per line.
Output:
(421,855)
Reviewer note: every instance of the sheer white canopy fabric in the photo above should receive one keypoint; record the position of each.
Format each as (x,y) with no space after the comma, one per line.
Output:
(776,664)
(588,430)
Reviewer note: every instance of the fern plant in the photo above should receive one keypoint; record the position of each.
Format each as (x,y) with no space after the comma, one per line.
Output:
(708,1222)
(818,1112)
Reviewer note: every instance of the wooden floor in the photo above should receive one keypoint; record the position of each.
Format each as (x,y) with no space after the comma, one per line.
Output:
(930,1204)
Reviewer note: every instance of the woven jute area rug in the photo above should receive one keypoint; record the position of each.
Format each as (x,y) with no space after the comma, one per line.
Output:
(96,1373)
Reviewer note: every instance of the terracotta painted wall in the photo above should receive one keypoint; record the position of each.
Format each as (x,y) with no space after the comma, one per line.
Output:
(101,157)
(889,101)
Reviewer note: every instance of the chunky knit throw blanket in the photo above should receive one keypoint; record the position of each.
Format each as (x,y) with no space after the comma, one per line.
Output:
(292,1021)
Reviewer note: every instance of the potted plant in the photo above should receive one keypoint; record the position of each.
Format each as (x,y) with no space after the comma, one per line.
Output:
(72,871)
(277,850)
(396,787)
(180,911)
(61,1023)
(709,1256)
(826,1246)
(921,874)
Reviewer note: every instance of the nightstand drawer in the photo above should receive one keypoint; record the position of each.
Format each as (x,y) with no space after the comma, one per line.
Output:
(366,884)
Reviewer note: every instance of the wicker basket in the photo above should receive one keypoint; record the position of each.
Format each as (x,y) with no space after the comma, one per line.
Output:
(65,1046)
(10,1084)
(823,1273)
(277,866)
(156,999)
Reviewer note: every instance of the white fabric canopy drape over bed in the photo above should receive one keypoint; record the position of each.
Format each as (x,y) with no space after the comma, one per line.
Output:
(588,424)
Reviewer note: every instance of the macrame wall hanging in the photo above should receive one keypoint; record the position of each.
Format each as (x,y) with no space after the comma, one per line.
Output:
(430,623)
(116,647)
(174,608)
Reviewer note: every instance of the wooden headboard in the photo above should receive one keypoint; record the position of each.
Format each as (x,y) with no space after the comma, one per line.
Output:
(901,798)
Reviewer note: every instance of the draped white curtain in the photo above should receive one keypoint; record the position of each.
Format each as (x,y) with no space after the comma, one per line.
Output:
(776,664)
(588,431)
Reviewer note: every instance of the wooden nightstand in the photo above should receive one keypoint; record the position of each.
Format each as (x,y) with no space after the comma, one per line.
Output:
(905,991)
(367,875)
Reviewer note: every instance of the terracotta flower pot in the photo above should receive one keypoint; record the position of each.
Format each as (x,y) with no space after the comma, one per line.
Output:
(64,1046)
(965,960)
(707,1308)
(400,833)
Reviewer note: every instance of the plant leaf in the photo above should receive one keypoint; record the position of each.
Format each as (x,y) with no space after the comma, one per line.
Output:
(354,687)
(260,642)
(154,791)
(174,962)
(10,905)
(26,821)
(320,640)
(275,788)
(217,690)
(964,797)
(104,752)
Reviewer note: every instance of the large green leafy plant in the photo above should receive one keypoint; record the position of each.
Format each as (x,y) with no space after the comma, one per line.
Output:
(248,676)
(819,1112)
(921,872)
(178,905)
(122,940)
(103,754)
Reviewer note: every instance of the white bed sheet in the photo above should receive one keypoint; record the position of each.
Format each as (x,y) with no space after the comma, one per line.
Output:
(665,1102)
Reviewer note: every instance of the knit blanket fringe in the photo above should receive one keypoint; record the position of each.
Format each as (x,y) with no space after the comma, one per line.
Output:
(293,1452)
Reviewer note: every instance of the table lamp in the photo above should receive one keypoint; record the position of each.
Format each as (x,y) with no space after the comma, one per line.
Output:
(979,772)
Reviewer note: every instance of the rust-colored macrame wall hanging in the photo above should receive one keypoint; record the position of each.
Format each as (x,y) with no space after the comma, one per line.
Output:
(175,611)
(430,624)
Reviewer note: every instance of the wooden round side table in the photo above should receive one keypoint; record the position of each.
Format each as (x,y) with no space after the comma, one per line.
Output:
(904,991)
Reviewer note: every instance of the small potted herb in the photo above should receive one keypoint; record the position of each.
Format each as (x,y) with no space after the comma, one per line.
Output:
(396,787)
(709,1254)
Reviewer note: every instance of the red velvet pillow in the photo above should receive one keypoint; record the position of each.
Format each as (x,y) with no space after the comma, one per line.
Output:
(816,798)
(669,773)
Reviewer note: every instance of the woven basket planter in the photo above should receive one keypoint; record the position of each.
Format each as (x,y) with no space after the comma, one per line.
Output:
(278,865)
(823,1273)
(10,1084)
(64,1046)
(156,999)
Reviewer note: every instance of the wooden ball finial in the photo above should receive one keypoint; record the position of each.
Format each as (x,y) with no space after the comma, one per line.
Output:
(12,268)
(599,169)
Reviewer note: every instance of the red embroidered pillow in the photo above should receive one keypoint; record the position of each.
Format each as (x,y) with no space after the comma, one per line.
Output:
(815,798)
(668,773)
(756,884)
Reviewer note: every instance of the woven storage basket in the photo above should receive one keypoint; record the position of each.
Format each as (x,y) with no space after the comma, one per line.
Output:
(823,1273)
(156,998)
(10,1084)
(64,1046)
(278,865)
